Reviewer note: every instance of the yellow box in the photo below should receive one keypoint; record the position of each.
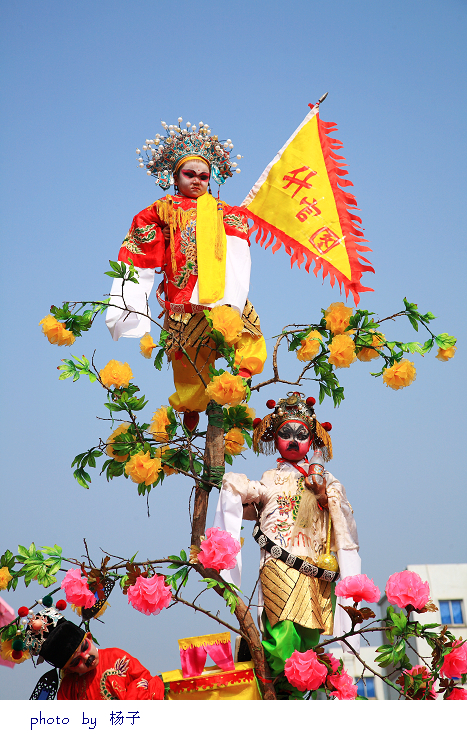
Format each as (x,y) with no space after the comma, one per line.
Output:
(213,684)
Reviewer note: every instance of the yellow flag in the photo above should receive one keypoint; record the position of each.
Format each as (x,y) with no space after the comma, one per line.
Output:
(298,202)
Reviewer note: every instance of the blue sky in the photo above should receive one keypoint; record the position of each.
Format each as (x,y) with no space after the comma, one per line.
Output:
(84,85)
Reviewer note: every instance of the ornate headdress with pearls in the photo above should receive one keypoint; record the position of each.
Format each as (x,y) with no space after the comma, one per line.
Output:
(164,152)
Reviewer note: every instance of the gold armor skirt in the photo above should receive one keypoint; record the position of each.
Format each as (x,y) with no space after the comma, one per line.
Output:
(290,595)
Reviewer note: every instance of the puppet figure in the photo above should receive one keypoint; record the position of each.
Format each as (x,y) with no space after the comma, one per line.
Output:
(201,246)
(87,673)
(301,513)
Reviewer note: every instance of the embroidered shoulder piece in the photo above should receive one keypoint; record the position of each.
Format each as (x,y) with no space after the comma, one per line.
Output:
(139,236)
(239,223)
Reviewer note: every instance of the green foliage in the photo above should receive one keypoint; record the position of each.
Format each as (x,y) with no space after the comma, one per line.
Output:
(36,566)
(237,416)
(229,596)
(71,369)
(121,270)
(81,460)
(124,399)
(160,354)
(77,323)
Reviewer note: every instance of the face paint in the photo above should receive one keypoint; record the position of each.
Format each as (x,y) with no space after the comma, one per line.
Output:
(293,440)
(193,179)
(85,658)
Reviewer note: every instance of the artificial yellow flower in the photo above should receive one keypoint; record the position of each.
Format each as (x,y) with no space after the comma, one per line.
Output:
(143,468)
(78,610)
(110,449)
(160,452)
(342,349)
(250,412)
(234,441)
(400,375)
(116,373)
(228,322)
(5,577)
(146,346)
(445,355)
(55,331)
(367,353)
(310,346)
(226,389)
(159,421)
(338,317)
(6,652)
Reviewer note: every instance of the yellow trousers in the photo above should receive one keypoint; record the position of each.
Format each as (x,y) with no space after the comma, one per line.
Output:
(250,354)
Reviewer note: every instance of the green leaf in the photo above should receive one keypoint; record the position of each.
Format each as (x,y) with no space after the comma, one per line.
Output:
(444,341)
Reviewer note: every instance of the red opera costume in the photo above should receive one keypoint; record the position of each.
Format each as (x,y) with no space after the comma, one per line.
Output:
(117,676)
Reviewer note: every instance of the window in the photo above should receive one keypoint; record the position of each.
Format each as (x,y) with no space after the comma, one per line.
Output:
(366,687)
(451,612)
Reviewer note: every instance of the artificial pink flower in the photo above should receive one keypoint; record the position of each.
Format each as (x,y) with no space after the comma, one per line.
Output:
(150,595)
(458,694)
(407,588)
(76,589)
(455,663)
(304,671)
(425,691)
(344,688)
(334,663)
(359,587)
(219,550)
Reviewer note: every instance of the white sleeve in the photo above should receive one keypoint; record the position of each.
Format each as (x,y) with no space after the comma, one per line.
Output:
(125,323)
(228,517)
(349,564)
(237,275)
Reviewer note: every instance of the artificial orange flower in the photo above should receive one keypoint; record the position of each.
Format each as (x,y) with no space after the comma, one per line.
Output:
(160,452)
(159,421)
(110,448)
(342,349)
(445,355)
(5,577)
(78,610)
(228,322)
(234,441)
(226,389)
(146,346)
(367,353)
(116,373)
(143,468)
(338,317)
(6,652)
(310,346)
(400,375)
(55,331)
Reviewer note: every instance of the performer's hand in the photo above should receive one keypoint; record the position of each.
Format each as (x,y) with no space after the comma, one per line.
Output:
(319,489)
(166,233)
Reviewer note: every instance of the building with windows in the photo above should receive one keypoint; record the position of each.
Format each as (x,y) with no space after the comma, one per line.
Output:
(369,685)
(448,588)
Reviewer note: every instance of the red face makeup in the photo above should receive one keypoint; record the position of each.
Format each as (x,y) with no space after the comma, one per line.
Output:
(85,659)
(293,440)
(193,179)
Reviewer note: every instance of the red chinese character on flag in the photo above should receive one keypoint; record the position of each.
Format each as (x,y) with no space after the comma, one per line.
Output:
(311,208)
(324,240)
(292,178)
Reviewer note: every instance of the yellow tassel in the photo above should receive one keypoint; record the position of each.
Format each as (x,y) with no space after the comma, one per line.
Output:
(219,244)
(326,439)
(203,640)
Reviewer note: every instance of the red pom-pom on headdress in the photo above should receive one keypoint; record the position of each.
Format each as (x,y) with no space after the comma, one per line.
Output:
(271,403)
(256,422)
(61,604)
(23,611)
(310,401)
(326,425)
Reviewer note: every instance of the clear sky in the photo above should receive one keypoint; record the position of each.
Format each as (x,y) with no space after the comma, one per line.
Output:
(86,83)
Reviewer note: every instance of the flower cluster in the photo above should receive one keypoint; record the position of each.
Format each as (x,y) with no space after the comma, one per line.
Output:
(344,688)
(400,375)
(226,389)
(5,578)
(307,672)
(8,653)
(342,351)
(407,588)
(338,317)
(150,595)
(218,550)
(311,345)
(458,693)
(368,353)
(110,447)
(55,331)
(424,680)
(159,422)
(76,589)
(116,373)
(228,322)
(234,441)
(146,346)
(455,663)
(143,468)
(445,355)
(359,587)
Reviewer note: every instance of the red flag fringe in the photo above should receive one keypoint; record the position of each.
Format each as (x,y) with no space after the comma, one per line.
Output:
(351,224)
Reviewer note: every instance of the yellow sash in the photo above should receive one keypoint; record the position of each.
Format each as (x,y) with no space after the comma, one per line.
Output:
(211,246)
